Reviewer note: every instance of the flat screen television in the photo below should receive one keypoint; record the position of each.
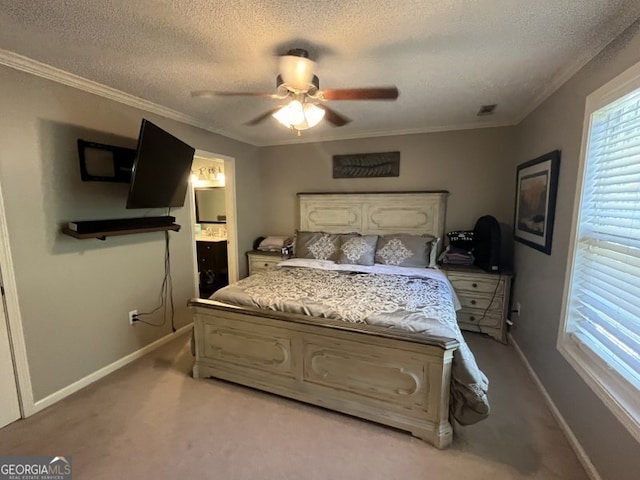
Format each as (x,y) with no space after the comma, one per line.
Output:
(161,169)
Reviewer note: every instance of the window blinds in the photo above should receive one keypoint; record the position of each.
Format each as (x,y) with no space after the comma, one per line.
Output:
(604,314)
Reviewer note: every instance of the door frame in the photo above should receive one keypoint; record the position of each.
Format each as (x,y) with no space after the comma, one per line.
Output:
(230,211)
(14,319)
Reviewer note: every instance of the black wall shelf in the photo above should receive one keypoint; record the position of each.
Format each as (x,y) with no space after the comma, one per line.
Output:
(121,231)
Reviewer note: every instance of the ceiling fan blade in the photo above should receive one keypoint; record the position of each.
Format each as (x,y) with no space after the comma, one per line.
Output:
(264,116)
(212,94)
(373,93)
(334,117)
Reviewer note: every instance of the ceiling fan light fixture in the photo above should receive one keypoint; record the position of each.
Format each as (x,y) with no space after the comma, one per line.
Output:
(297,116)
(291,114)
(297,72)
(313,114)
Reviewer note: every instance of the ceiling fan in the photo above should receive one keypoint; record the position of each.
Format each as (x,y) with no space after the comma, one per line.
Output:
(297,84)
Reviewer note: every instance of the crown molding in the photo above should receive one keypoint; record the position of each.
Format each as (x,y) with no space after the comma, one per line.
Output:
(564,74)
(42,70)
(559,79)
(48,72)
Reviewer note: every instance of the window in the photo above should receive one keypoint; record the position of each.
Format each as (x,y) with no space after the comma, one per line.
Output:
(600,335)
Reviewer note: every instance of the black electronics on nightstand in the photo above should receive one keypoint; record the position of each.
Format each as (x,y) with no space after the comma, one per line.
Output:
(487,243)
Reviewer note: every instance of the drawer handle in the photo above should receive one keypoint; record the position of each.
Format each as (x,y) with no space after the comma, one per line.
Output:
(473,302)
(472,318)
(474,285)
(266,264)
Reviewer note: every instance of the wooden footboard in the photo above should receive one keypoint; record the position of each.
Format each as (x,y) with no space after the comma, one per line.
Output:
(387,376)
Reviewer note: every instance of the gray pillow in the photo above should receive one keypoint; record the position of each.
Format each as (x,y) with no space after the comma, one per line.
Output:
(357,249)
(318,245)
(405,250)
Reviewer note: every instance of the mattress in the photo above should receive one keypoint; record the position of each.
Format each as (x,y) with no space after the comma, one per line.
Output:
(414,299)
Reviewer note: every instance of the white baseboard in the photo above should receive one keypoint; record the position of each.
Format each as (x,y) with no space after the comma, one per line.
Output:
(564,426)
(98,374)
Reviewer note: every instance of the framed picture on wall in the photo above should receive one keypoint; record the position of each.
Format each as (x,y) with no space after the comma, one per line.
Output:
(382,164)
(536,191)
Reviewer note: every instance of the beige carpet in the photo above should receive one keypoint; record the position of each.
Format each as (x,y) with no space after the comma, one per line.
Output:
(151,420)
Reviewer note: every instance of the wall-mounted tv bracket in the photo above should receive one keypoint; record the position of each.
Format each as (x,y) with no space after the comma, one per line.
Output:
(121,157)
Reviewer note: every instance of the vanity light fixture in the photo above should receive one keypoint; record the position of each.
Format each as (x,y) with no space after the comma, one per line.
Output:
(204,175)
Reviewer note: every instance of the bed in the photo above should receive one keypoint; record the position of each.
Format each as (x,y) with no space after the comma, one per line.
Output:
(350,357)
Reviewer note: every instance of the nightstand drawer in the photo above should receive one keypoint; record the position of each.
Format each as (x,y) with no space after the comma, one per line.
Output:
(258,260)
(467,316)
(481,285)
(480,302)
(262,264)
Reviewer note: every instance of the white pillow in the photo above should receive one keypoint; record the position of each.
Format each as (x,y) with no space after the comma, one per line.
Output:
(273,241)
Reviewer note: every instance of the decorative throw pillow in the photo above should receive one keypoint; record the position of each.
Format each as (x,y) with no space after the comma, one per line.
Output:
(318,245)
(405,250)
(357,249)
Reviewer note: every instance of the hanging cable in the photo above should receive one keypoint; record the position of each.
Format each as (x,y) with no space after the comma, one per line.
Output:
(166,290)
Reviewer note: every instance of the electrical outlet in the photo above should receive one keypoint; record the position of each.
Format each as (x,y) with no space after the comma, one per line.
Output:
(518,308)
(132,314)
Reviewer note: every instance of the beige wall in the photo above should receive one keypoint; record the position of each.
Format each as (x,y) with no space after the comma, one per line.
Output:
(557,124)
(473,165)
(74,295)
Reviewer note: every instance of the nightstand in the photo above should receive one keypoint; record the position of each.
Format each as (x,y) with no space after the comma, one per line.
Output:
(484,297)
(258,260)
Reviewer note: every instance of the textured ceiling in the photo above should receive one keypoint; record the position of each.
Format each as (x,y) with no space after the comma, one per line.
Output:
(447,57)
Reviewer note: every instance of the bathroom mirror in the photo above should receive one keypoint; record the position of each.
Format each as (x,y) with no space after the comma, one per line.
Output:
(210,207)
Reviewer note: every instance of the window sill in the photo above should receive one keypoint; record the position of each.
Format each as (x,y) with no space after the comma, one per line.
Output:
(621,398)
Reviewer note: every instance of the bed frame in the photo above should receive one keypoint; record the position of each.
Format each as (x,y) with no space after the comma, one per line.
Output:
(392,377)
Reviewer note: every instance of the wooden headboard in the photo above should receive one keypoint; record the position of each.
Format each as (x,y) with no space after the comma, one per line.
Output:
(374,213)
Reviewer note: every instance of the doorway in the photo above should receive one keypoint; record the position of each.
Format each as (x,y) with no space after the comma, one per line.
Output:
(16,396)
(214,224)
(9,404)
